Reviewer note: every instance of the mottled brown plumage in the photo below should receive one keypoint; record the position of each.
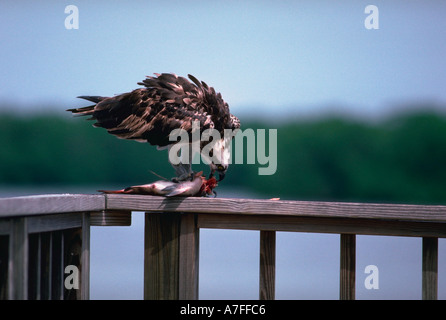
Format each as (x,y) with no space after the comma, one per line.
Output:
(166,102)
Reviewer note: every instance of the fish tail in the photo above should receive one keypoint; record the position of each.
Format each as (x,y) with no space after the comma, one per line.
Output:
(112,191)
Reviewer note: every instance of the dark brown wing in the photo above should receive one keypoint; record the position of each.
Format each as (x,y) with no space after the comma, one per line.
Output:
(213,104)
(151,113)
(195,95)
(167,102)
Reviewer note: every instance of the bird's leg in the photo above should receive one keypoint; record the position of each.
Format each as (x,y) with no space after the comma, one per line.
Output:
(212,172)
(183,172)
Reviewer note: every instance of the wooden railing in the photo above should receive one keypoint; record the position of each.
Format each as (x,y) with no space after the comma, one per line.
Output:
(41,235)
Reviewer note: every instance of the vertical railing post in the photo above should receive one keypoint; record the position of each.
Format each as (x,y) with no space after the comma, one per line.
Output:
(76,247)
(267,265)
(161,256)
(188,257)
(171,252)
(430,269)
(348,267)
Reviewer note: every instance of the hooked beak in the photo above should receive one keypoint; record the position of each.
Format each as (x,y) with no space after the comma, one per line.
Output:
(221,172)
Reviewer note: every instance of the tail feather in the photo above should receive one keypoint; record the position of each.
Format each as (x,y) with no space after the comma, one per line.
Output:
(95,99)
(85,111)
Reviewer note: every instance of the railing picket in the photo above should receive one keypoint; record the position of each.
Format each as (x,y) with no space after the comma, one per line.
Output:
(188,258)
(348,267)
(56,265)
(18,257)
(430,269)
(34,267)
(161,256)
(85,258)
(45,266)
(267,285)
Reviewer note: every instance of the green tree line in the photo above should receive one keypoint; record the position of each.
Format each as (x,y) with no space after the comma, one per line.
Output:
(400,159)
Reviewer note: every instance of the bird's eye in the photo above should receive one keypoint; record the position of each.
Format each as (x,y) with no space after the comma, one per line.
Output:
(220,168)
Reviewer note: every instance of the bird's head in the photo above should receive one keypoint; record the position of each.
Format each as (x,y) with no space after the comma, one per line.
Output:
(221,157)
(220,169)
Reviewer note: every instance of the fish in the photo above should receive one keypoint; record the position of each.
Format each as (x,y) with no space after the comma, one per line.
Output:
(197,187)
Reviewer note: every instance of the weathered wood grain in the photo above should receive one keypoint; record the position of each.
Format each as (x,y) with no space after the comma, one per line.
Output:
(348,267)
(430,269)
(188,258)
(322,225)
(286,208)
(51,203)
(45,204)
(53,222)
(161,250)
(267,274)
(111,218)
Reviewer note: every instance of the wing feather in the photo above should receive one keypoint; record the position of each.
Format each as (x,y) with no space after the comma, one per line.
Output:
(166,102)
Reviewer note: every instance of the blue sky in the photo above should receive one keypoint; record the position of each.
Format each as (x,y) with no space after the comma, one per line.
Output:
(301,57)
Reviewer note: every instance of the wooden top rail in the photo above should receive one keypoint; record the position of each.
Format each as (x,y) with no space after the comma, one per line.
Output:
(252,214)
(58,203)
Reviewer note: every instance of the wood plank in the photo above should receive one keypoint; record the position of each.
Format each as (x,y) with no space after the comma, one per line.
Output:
(348,267)
(267,283)
(161,250)
(85,258)
(430,269)
(111,218)
(188,258)
(50,203)
(426,213)
(18,260)
(53,222)
(322,225)
(46,204)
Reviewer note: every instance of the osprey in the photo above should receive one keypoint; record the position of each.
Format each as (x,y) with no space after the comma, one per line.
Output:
(165,103)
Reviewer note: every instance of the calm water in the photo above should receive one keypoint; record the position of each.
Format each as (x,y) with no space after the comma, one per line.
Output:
(307,265)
